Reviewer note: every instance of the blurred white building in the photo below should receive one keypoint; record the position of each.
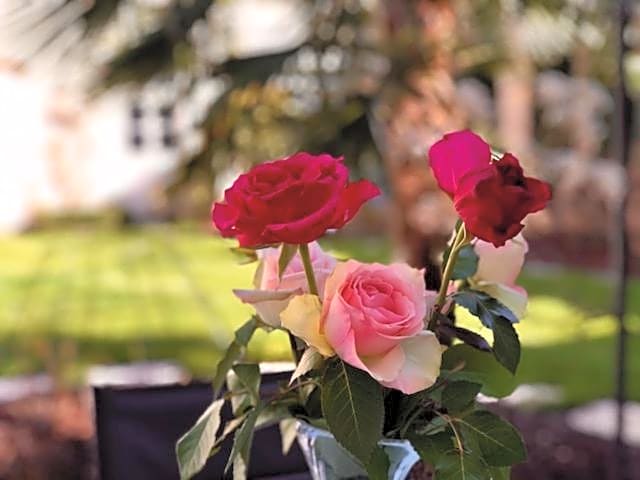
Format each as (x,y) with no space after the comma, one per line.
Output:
(60,151)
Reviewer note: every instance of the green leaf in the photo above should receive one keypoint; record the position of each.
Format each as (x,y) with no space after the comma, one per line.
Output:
(500,443)
(506,344)
(449,462)
(240,468)
(378,466)
(249,377)
(353,406)
(461,466)
(458,395)
(500,473)
(466,264)
(435,425)
(194,447)
(432,448)
(244,382)
(275,411)
(234,352)
(241,450)
(480,367)
(483,306)
(310,359)
(230,427)
(313,401)
(288,434)
(286,255)
(467,336)
(243,334)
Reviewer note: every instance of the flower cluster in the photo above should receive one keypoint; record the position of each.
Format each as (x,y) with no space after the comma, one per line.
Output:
(491,195)
(367,326)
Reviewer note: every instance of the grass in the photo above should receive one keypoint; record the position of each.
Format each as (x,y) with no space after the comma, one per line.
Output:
(75,297)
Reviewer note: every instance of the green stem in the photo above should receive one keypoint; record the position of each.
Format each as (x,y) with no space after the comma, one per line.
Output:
(458,243)
(308,268)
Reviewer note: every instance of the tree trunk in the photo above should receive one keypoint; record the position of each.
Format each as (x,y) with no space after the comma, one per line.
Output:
(514,87)
(410,116)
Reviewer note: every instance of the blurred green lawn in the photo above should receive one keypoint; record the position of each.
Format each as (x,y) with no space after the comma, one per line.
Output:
(75,297)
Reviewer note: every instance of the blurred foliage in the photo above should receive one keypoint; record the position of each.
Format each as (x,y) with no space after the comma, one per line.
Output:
(314,103)
(73,298)
(546,31)
(317,94)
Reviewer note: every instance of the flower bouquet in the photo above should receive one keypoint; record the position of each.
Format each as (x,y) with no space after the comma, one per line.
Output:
(382,372)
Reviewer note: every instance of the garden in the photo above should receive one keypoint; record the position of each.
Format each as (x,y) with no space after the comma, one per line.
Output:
(163,292)
(319,240)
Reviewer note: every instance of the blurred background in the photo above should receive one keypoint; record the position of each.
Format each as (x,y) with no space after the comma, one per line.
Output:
(122,120)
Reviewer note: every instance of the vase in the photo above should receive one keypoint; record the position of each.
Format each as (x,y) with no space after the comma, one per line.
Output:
(328,460)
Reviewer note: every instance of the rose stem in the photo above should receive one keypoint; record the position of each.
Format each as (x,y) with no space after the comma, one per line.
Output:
(458,242)
(308,268)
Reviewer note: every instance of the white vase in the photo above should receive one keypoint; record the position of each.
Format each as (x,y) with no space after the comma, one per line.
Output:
(327,459)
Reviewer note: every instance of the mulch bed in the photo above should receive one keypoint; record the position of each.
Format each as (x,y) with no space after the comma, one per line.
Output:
(48,437)
(556,452)
(52,437)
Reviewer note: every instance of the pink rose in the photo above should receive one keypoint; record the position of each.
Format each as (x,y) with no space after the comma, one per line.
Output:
(272,293)
(498,270)
(373,317)
(294,277)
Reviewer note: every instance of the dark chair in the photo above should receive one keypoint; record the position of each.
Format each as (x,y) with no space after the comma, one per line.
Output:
(137,429)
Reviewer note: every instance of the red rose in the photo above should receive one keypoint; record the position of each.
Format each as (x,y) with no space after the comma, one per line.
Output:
(293,200)
(491,197)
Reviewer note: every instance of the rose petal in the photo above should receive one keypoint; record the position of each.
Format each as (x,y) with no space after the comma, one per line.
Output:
(293,277)
(423,356)
(489,210)
(336,320)
(386,367)
(540,193)
(455,155)
(382,368)
(305,229)
(302,318)
(353,197)
(503,264)
(494,201)
(268,303)
(224,217)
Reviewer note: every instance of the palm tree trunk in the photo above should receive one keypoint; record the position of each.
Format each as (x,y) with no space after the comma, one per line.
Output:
(411,114)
